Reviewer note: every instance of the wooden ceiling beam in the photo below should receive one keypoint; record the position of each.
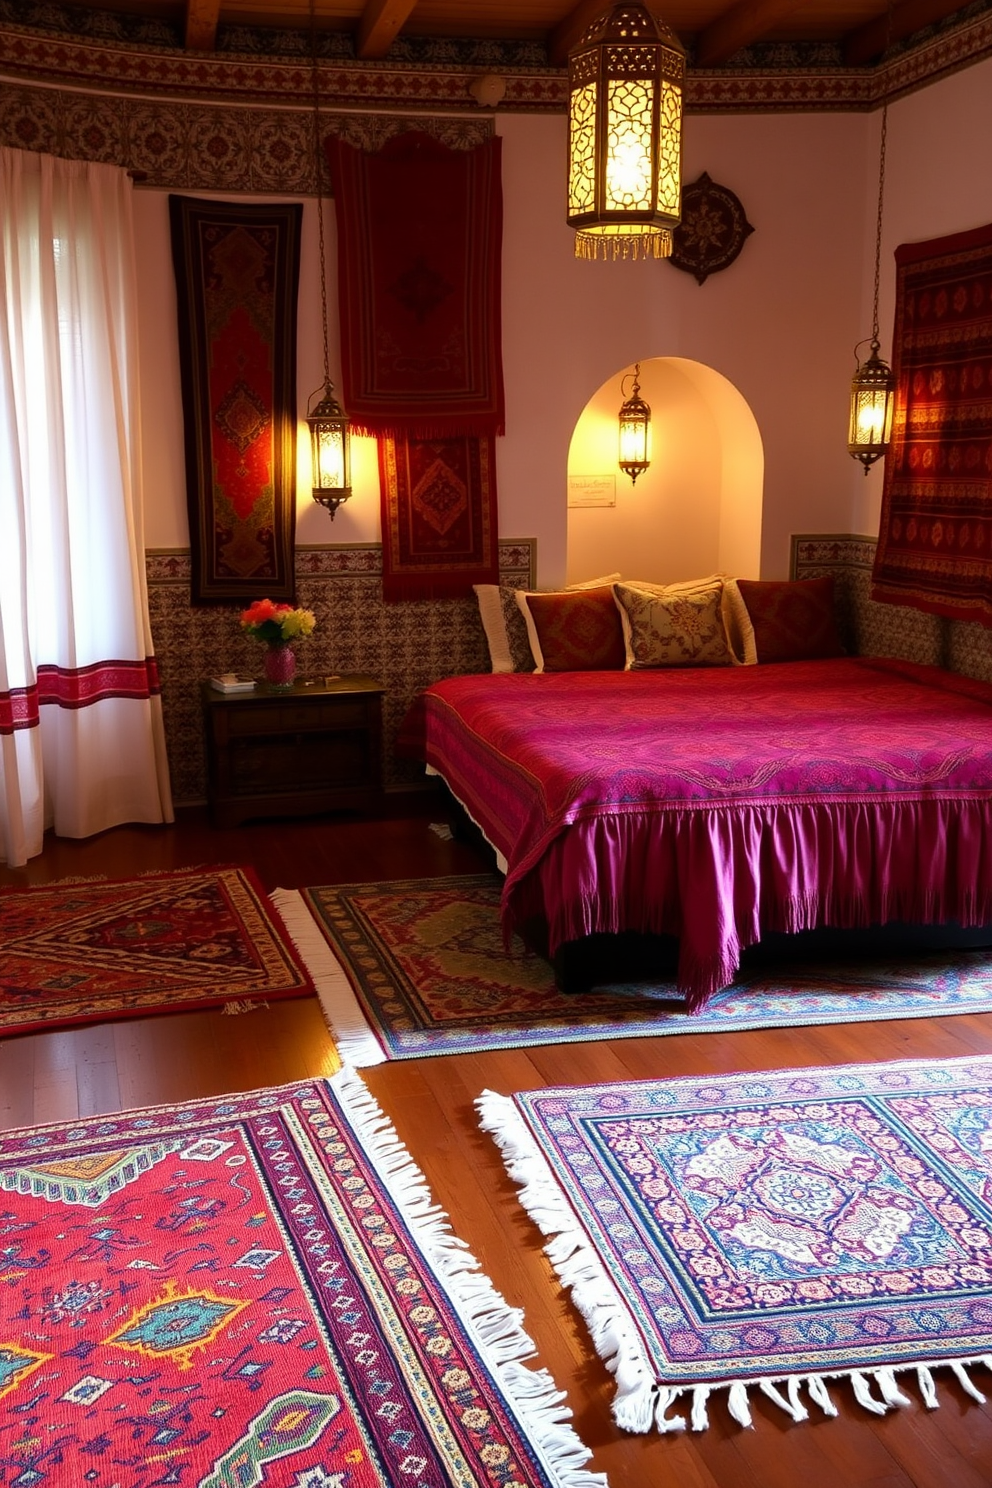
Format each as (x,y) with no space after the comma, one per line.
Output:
(201,25)
(737,27)
(869,41)
(380,23)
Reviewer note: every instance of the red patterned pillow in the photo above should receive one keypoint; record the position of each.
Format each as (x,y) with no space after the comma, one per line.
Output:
(576,631)
(792,620)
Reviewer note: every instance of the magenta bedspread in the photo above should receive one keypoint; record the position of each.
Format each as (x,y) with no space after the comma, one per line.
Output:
(718,804)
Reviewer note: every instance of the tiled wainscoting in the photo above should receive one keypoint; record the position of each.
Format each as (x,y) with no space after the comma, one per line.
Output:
(405,646)
(872,629)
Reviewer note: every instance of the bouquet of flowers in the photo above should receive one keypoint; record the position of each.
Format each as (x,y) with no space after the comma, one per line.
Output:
(277,624)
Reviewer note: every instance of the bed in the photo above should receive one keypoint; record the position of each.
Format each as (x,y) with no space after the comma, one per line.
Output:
(719,805)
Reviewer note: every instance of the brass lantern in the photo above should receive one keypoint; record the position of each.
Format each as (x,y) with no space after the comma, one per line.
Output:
(330,449)
(625,79)
(635,429)
(873,385)
(330,431)
(872,399)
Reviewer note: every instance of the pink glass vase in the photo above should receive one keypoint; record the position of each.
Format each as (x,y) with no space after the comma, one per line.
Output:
(279,665)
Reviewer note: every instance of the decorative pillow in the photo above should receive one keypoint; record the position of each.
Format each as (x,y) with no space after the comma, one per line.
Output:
(505,625)
(675,626)
(575,631)
(791,620)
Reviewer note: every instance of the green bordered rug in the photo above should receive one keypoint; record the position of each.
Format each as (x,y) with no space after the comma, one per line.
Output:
(89,950)
(418,967)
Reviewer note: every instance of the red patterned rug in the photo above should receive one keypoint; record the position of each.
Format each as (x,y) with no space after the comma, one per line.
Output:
(256,1290)
(99,949)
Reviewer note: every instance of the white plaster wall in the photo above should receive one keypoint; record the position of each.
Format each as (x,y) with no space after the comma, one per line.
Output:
(779,324)
(938,180)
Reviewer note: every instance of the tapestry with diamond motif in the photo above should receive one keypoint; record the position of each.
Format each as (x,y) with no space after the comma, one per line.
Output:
(439,517)
(255,1289)
(935,537)
(96,949)
(237,275)
(794,1232)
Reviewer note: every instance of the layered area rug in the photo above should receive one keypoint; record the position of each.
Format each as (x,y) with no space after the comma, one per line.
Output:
(98,949)
(768,1232)
(256,1289)
(418,967)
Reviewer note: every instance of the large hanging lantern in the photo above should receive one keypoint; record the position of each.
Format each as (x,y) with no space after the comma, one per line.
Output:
(330,449)
(635,429)
(625,78)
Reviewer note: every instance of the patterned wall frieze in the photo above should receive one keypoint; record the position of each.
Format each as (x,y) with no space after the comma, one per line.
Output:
(271,78)
(406,646)
(183,146)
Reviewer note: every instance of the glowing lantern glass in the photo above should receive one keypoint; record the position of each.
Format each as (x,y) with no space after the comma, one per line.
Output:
(625,77)
(635,430)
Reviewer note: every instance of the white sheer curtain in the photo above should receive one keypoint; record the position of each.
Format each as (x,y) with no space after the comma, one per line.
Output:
(82,745)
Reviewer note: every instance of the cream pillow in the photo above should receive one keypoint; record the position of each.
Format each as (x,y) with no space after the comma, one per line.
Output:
(674,624)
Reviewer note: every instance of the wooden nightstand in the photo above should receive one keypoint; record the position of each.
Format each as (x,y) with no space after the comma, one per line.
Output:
(293,751)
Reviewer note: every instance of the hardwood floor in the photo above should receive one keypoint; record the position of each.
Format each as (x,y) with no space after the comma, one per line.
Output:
(145,1061)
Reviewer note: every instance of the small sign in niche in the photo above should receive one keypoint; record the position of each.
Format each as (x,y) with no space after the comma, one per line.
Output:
(592,490)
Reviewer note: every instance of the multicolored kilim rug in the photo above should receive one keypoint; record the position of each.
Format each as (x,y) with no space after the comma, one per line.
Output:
(96,949)
(418,967)
(767,1231)
(255,1290)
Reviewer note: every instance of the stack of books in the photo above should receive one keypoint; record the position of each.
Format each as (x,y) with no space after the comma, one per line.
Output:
(231,682)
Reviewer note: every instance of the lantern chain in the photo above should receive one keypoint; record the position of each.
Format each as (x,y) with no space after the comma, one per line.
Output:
(881,185)
(319,181)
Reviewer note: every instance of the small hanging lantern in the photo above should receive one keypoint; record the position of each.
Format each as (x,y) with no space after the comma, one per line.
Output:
(330,449)
(635,429)
(330,432)
(625,78)
(873,387)
(872,400)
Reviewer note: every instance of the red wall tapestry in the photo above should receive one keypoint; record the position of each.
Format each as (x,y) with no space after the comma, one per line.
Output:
(419,245)
(237,274)
(438,516)
(935,537)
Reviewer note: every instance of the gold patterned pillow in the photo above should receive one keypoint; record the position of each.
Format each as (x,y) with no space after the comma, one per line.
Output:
(678,627)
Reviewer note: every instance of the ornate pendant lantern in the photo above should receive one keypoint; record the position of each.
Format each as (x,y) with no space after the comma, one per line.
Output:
(625,78)
(635,429)
(330,430)
(873,387)
(330,447)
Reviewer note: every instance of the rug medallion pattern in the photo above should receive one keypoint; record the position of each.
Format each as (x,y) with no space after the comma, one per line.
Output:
(783,1227)
(93,949)
(249,1305)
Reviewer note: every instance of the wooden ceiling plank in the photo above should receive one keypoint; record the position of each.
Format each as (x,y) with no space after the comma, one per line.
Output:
(737,27)
(379,24)
(201,25)
(869,41)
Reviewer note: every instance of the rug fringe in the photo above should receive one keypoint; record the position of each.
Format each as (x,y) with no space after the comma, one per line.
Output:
(641,1400)
(353,1035)
(496,1327)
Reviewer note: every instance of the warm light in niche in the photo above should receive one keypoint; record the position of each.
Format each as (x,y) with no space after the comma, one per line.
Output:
(635,428)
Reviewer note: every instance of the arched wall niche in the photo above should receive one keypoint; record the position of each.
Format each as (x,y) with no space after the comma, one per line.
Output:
(697,508)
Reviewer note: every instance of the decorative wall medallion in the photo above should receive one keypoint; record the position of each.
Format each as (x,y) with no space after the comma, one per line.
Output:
(712,230)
